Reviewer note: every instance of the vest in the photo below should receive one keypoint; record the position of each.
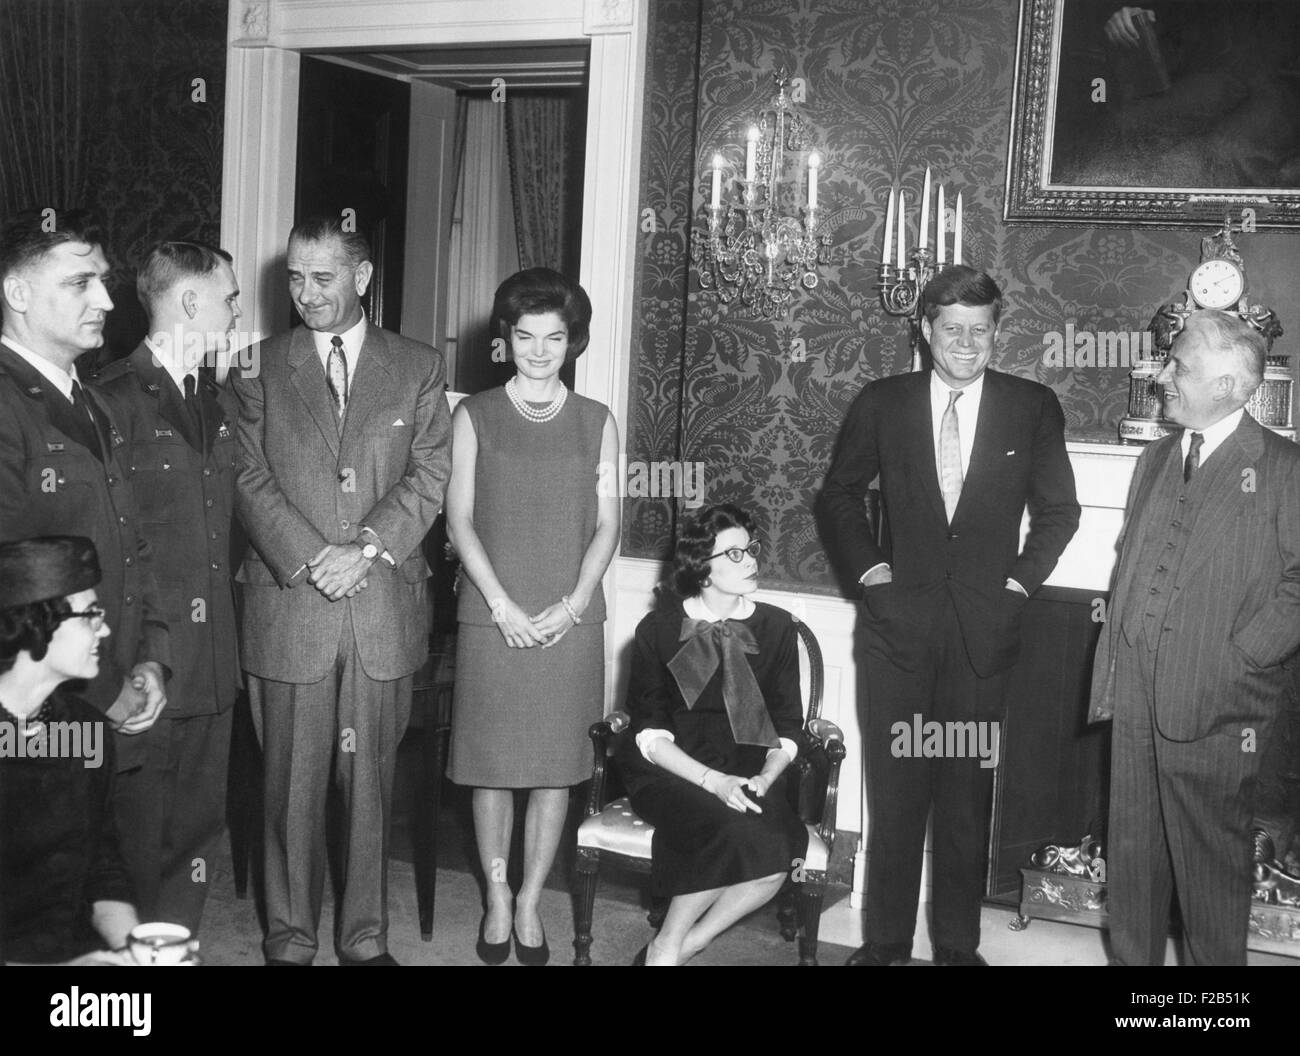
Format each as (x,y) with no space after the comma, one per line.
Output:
(1172,509)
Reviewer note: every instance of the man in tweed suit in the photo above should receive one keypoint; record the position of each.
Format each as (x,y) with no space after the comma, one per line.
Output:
(1204,614)
(345,443)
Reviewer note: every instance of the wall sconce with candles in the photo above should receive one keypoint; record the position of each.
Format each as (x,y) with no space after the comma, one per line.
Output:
(757,249)
(901,283)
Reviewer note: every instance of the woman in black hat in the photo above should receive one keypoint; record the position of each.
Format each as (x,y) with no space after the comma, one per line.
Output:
(64,892)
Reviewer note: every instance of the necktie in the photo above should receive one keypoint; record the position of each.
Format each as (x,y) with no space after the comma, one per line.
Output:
(80,403)
(82,406)
(193,405)
(950,478)
(1193,460)
(336,374)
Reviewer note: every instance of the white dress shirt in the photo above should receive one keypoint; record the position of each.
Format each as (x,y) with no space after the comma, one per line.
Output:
(967,410)
(968,413)
(172,368)
(353,339)
(1214,435)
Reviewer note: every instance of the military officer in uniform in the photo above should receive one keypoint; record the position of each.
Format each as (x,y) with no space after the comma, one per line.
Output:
(179,428)
(62,469)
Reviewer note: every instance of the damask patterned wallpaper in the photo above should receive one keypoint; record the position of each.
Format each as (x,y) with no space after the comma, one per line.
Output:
(891,86)
(155,135)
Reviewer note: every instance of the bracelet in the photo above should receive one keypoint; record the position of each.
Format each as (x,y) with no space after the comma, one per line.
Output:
(705,776)
(497,605)
(568,607)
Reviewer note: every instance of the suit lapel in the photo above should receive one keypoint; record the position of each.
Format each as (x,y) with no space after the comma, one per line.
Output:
(106,437)
(214,412)
(58,409)
(983,454)
(1222,491)
(309,379)
(918,410)
(1148,471)
(171,404)
(368,384)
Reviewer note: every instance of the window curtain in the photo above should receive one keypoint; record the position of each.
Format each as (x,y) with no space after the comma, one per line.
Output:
(539,135)
(483,250)
(42,104)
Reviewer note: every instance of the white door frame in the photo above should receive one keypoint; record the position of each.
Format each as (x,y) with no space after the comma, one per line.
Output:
(264,41)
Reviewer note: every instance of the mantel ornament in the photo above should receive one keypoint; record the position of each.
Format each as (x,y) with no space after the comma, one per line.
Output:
(1218,283)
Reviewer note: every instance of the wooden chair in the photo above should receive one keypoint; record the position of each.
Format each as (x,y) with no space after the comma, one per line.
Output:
(611,832)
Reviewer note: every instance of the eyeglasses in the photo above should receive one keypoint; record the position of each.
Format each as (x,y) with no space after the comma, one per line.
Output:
(737,553)
(95,614)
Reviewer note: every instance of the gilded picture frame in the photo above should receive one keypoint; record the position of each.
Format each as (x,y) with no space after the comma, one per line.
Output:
(1177,121)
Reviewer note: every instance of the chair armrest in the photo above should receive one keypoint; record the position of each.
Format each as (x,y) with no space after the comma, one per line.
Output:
(601,733)
(824,732)
(829,738)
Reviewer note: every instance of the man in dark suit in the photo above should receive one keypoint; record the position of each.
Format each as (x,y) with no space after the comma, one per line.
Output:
(62,467)
(345,453)
(180,433)
(1204,615)
(960,452)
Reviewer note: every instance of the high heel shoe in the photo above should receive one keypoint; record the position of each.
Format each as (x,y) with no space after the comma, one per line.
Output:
(531,955)
(490,952)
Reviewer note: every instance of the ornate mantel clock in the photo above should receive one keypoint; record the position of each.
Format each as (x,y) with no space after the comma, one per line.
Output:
(1219,282)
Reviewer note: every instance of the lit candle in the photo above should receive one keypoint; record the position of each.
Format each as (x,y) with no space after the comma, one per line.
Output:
(717,180)
(751,151)
(814,163)
(925,209)
(889,227)
(902,228)
(939,235)
(956,235)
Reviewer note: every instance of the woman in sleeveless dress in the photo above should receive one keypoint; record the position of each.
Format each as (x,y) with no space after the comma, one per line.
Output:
(534,532)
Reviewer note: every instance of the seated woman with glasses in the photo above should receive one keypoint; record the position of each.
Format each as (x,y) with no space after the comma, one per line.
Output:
(64,892)
(716,710)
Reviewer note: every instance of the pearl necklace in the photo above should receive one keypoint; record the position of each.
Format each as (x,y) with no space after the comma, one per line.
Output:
(536,414)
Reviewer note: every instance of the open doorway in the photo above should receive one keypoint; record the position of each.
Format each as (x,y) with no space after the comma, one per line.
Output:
(463,164)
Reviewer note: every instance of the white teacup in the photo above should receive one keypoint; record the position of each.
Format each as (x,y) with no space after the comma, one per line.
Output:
(160,943)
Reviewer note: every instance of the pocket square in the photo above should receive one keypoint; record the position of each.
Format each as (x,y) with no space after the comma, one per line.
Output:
(398,422)
(1012,451)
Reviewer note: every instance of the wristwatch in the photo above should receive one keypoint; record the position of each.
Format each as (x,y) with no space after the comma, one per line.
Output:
(370,551)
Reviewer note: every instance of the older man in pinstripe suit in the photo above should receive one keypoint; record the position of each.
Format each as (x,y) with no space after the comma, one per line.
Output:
(1203,624)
